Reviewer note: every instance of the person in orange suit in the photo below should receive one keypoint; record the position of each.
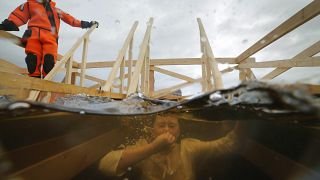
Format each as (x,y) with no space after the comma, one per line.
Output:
(41,37)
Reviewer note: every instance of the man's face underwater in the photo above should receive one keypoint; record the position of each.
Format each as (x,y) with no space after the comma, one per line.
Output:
(166,124)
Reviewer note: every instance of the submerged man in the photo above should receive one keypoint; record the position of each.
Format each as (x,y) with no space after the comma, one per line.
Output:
(41,37)
(164,157)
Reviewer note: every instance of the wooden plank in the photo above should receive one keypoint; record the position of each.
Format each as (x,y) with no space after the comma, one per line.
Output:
(121,76)
(18,94)
(275,164)
(163,62)
(137,70)
(173,74)
(67,164)
(84,60)
(152,81)
(69,71)
(147,71)
(166,91)
(73,78)
(143,76)
(309,52)
(21,82)
(227,70)
(100,81)
(208,74)
(28,155)
(11,38)
(203,72)
(130,63)
(214,66)
(287,63)
(108,83)
(34,94)
(6,66)
(304,15)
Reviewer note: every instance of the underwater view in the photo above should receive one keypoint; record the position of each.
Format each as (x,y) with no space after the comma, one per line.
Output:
(253,131)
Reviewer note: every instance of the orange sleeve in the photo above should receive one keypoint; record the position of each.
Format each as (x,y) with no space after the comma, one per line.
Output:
(20,15)
(67,18)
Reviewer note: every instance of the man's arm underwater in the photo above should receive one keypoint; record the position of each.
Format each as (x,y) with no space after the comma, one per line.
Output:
(117,162)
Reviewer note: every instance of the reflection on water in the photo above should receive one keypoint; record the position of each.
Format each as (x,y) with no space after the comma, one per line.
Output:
(282,130)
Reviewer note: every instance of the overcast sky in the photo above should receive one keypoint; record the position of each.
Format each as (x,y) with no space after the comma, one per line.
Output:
(232,26)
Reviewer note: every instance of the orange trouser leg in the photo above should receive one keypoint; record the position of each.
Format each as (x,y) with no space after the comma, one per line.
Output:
(34,53)
(49,51)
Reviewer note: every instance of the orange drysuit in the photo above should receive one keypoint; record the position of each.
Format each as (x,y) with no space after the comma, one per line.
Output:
(41,38)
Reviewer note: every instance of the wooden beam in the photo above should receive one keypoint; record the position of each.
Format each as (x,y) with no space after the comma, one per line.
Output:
(108,83)
(275,164)
(137,70)
(11,38)
(173,74)
(69,71)
(227,70)
(147,72)
(67,164)
(31,154)
(6,66)
(21,82)
(152,81)
(209,74)
(163,62)
(288,63)
(34,94)
(84,60)
(309,52)
(203,72)
(304,15)
(166,91)
(214,66)
(130,63)
(100,81)
(17,93)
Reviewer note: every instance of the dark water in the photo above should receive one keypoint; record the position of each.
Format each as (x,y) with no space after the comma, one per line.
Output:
(282,124)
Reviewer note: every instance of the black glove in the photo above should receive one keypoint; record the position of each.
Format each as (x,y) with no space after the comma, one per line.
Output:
(8,26)
(86,24)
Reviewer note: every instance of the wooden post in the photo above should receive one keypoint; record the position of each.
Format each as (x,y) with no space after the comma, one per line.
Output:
(130,62)
(204,74)
(147,71)
(137,70)
(73,78)
(121,76)
(143,76)
(108,83)
(151,81)
(69,70)
(84,61)
(214,66)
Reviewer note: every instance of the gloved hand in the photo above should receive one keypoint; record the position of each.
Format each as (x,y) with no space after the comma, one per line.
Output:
(8,26)
(86,24)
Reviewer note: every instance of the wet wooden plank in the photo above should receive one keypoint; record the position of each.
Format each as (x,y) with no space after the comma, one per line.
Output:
(276,165)
(67,164)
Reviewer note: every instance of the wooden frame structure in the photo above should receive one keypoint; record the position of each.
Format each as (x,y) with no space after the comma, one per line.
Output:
(138,75)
